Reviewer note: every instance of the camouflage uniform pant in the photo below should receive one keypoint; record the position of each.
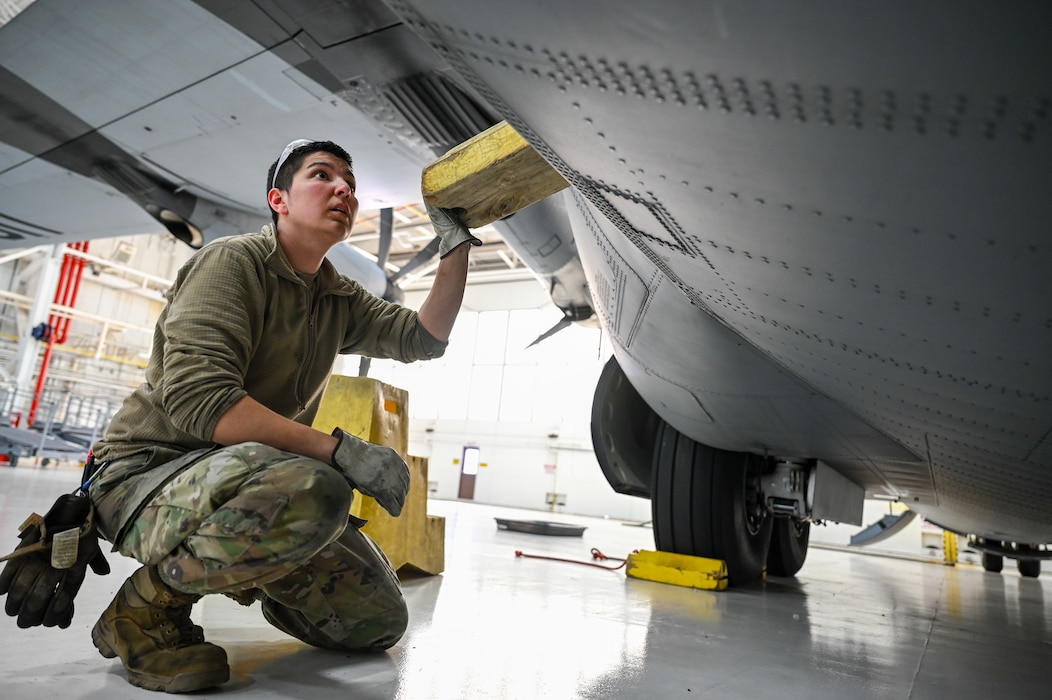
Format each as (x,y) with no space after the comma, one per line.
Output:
(257,522)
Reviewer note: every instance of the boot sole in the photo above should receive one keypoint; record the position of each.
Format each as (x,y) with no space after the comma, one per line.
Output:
(179,683)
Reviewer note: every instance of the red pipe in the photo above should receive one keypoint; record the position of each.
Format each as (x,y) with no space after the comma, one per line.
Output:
(70,297)
(65,295)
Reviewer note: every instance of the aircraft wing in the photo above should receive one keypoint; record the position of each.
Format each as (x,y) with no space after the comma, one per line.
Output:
(116,122)
(112,118)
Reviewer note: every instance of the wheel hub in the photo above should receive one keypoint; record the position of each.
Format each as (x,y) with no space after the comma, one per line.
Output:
(755,512)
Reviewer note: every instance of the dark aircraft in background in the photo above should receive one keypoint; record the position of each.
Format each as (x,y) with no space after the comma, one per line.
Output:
(817,233)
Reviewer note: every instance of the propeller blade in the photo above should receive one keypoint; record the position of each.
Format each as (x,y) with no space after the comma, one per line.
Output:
(564,322)
(419,260)
(571,314)
(386,231)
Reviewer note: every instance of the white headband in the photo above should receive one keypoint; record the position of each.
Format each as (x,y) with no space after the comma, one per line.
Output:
(285,156)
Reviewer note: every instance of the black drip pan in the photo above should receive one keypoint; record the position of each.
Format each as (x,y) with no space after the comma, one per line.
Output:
(541,527)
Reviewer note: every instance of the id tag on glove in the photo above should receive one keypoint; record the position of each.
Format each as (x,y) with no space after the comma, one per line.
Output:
(33,519)
(64,548)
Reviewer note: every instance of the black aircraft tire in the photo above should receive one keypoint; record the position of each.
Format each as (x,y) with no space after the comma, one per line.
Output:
(1031,568)
(992,562)
(789,540)
(705,504)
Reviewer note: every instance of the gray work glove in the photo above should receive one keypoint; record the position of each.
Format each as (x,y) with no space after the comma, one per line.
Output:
(375,470)
(450,229)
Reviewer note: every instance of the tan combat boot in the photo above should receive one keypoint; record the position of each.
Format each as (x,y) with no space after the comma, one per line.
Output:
(148,626)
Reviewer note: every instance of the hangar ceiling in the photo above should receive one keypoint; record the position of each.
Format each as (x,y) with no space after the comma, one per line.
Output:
(494,261)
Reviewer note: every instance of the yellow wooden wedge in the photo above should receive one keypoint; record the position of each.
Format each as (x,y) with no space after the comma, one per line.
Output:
(490,176)
(678,569)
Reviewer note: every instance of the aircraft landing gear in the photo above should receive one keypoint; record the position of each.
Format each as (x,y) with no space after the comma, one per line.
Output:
(1028,557)
(1031,568)
(707,502)
(789,539)
(992,562)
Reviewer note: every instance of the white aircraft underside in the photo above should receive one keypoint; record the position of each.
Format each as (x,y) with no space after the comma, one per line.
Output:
(813,232)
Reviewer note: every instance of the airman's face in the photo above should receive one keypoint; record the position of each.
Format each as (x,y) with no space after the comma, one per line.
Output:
(321,199)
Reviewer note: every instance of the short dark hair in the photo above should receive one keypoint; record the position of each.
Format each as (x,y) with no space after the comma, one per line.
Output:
(283,179)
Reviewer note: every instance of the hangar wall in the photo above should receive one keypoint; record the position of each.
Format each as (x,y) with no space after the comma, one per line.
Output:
(527,409)
(119,295)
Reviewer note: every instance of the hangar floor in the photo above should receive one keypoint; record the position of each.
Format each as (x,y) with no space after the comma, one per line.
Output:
(498,626)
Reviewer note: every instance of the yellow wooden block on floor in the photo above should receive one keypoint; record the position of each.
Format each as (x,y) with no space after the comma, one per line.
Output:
(678,569)
(414,540)
(379,413)
(490,176)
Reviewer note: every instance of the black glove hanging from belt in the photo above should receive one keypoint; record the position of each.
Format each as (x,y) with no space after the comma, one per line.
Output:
(44,573)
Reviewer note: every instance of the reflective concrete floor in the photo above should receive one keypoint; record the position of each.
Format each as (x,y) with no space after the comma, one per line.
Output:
(498,626)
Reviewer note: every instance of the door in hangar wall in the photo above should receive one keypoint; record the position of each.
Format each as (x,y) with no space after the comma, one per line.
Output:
(469,469)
